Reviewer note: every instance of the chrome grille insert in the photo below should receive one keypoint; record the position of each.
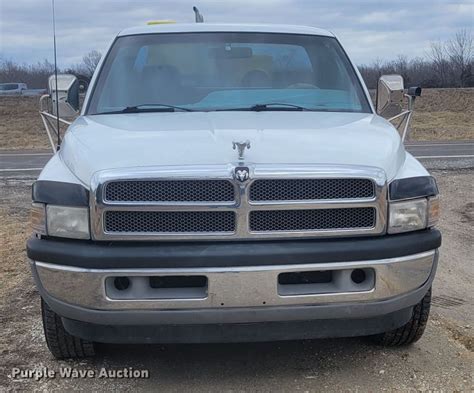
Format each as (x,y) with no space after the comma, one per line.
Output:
(312,220)
(200,202)
(311,189)
(169,191)
(169,222)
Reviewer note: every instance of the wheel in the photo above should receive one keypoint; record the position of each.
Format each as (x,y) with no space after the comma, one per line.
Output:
(61,344)
(412,331)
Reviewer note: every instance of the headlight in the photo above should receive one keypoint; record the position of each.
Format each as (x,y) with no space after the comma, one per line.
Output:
(60,209)
(414,204)
(413,215)
(407,216)
(70,222)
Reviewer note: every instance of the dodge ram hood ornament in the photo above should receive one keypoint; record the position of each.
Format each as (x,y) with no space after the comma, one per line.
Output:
(241,146)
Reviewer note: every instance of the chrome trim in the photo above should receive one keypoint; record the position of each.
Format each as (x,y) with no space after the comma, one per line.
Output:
(242,205)
(241,146)
(236,286)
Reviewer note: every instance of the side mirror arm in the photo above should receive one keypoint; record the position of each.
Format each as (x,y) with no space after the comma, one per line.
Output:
(406,116)
(50,121)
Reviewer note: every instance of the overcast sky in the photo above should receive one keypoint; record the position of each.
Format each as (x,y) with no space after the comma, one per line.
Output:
(368,29)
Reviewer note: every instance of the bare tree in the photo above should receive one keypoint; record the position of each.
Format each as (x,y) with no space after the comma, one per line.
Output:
(447,64)
(460,51)
(400,65)
(421,73)
(90,61)
(35,75)
(371,73)
(377,66)
(439,57)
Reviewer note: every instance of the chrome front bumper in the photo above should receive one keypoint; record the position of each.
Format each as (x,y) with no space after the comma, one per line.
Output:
(236,287)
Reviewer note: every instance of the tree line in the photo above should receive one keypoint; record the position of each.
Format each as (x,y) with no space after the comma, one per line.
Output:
(447,63)
(36,75)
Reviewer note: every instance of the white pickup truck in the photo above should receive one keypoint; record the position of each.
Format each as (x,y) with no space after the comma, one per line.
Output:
(12,89)
(227,183)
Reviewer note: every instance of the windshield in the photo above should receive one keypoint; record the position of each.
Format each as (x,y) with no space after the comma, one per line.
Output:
(227,71)
(8,86)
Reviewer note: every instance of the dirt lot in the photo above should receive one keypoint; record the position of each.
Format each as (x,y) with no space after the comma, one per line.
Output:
(20,124)
(442,360)
(441,114)
(444,114)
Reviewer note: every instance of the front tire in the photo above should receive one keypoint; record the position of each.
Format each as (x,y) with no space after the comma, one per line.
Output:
(60,343)
(412,331)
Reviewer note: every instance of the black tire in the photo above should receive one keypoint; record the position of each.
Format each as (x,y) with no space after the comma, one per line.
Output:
(61,344)
(412,331)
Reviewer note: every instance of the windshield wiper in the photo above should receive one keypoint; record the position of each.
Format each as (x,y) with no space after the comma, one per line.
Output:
(271,106)
(148,108)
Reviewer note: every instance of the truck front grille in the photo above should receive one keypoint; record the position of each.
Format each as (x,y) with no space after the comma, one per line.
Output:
(170,191)
(312,220)
(169,222)
(208,203)
(310,189)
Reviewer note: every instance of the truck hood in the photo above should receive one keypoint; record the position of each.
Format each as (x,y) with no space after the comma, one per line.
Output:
(99,142)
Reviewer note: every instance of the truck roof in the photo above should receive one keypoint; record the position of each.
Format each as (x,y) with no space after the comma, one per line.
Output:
(209,27)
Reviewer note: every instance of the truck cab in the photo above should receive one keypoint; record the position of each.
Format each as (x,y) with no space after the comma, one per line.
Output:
(227,183)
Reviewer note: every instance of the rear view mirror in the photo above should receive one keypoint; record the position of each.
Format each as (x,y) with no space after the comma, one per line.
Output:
(68,95)
(390,95)
(229,52)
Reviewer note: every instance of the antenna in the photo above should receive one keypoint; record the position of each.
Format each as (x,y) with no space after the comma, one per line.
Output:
(199,18)
(56,77)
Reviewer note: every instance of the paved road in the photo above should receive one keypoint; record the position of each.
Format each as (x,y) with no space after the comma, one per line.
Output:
(435,155)
(23,162)
(451,150)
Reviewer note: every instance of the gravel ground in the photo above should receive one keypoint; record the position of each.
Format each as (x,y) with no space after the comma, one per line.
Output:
(442,360)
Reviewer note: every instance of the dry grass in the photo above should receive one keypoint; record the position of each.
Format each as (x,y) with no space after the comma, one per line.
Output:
(441,114)
(433,126)
(21,126)
(444,114)
(14,230)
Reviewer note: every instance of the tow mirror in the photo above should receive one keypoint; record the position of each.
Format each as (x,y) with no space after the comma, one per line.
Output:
(68,95)
(389,101)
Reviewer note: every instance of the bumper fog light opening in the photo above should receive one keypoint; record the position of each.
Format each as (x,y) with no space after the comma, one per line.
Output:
(121,283)
(358,276)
